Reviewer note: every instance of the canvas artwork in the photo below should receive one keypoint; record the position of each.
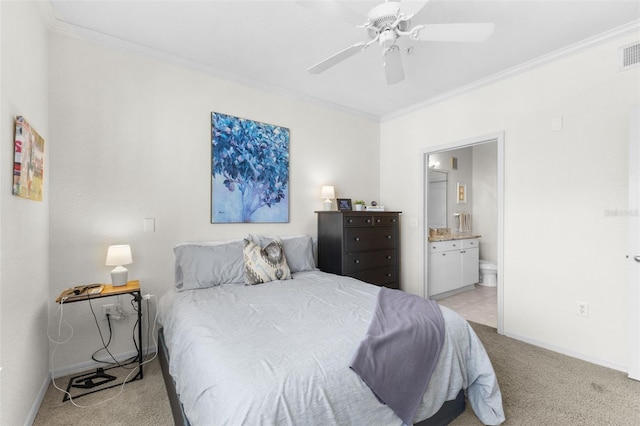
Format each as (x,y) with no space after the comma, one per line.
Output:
(28,161)
(249,171)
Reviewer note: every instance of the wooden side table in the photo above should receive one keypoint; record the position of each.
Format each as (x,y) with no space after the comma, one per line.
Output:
(100,377)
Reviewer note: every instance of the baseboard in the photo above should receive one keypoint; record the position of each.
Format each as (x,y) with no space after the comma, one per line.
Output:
(89,365)
(38,401)
(452,292)
(564,351)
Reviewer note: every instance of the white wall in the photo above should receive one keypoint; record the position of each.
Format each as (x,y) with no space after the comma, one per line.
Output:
(131,140)
(24,224)
(484,190)
(560,247)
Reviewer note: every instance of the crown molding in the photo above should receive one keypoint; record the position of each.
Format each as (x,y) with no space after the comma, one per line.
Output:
(518,69)
(62,27)
(59,26)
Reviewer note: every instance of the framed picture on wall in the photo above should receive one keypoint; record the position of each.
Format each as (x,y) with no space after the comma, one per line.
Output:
(249,171)
(344,204)
(462,193)
(28,161)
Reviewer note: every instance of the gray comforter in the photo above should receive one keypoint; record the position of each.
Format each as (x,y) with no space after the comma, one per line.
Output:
(279,353)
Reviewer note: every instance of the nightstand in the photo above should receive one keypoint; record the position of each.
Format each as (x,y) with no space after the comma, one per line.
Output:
(100,377)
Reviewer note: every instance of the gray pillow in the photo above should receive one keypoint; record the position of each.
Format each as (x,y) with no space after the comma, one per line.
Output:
(298,250)
(202,266)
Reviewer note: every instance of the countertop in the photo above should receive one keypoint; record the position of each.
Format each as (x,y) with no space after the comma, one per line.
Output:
(452,237)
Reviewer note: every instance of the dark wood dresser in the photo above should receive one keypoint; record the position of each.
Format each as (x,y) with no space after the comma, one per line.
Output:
(363,245)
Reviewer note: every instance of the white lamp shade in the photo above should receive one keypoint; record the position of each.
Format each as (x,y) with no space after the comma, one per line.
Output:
(119,255)
(328,192)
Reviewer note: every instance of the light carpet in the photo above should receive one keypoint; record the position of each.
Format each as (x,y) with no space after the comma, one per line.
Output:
(539,387)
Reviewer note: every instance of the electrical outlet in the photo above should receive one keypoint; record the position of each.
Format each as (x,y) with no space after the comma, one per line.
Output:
(583,309)
(108,310)
(114,311)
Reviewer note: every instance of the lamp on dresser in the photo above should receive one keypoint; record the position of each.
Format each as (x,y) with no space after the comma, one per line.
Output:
(118,256)
(328,193)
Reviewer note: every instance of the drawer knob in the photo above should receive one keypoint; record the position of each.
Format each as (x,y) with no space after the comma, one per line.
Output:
(368,220)
(350,220)
(389,257)
(378,221)
(356,261)
(357,238)
(388,237)
(388,274)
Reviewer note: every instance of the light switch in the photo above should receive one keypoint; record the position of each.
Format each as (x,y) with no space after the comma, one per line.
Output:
(149,224)
(556,124)
(413,222)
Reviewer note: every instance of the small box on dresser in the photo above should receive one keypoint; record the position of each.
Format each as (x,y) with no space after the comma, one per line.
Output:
(363,245)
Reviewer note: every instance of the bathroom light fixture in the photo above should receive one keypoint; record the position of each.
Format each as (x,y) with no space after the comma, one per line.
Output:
(328,193)
(117,256)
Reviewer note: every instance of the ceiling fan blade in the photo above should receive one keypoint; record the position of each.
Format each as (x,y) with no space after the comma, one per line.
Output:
(455,32)
(393,65)
(337,58)
(411,7)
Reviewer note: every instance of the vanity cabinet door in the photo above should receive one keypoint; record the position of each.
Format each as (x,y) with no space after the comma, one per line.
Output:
(444,271)
(470,258)
(453,264)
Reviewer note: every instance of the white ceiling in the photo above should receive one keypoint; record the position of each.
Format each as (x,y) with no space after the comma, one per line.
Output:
(270,44)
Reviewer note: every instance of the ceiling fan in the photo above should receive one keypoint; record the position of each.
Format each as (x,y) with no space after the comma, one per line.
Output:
(388,22)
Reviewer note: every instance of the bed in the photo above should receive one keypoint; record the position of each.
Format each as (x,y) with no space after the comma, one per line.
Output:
(279,352)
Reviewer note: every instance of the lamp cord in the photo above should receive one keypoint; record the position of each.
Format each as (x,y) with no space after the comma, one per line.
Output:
(59,342)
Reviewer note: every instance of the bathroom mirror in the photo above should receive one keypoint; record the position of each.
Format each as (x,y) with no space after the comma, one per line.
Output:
(437,199)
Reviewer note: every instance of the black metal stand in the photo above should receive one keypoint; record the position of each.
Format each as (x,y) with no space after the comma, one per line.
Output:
(99,377)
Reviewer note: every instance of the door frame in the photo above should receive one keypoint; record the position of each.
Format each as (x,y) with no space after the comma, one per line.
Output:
(498,138)
(634,244)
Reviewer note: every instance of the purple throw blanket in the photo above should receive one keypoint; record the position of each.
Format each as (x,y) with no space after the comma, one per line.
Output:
(401,349)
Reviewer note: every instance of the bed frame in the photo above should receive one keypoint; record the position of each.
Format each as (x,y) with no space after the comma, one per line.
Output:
(447,413)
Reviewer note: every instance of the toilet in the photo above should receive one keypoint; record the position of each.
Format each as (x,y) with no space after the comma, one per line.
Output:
(488,273)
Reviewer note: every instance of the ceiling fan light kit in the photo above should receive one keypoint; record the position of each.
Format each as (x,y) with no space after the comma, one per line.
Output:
(386,23)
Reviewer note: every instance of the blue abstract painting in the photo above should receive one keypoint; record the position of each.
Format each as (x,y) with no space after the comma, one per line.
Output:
(249,171)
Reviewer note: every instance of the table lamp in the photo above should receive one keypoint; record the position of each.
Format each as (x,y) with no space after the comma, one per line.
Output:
(117,256)
(328,194)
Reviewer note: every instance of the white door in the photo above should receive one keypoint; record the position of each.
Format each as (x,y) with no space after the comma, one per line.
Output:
(634,243)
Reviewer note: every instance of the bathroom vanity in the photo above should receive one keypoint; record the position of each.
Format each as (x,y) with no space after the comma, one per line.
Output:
(453,264)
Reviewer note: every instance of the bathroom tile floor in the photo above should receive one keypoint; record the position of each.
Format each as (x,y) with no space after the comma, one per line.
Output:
(477,305)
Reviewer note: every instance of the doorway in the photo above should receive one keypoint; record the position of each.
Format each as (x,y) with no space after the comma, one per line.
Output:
(460,204)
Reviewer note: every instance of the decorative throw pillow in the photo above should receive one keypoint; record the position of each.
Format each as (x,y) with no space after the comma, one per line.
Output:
(266,264)
(298,250)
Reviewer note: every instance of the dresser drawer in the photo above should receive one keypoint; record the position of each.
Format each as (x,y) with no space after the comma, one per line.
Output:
(439,246)
(387,277)
(366,220)
(371,259)
(368,239)
(358,220)
(389,220)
